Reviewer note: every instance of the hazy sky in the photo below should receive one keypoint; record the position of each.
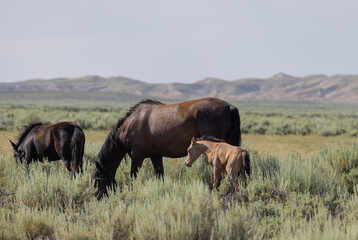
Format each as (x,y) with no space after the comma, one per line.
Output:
(177,41)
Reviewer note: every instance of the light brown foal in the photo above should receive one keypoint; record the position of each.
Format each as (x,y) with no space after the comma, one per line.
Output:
(222,156)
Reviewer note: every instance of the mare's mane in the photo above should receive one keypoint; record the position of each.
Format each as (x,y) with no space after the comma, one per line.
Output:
(209,138)
(25,130)
(134,108)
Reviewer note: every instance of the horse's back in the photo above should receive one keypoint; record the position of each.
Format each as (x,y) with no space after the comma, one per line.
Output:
(227,151)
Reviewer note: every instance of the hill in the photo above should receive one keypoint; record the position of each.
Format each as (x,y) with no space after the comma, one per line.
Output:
(280,87)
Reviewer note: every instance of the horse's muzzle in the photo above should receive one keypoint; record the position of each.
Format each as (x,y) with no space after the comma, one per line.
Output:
(187,164)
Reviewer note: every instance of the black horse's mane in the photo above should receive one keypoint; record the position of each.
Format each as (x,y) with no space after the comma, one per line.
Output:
(209,138)
(104,154)
(25,130)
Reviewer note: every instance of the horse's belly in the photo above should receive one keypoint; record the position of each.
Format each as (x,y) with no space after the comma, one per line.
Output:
(169,150)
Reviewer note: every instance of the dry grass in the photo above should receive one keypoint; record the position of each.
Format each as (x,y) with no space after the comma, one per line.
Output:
(281,146)
(300,197)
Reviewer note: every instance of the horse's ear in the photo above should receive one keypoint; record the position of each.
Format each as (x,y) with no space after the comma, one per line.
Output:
(193,140)
(13,145)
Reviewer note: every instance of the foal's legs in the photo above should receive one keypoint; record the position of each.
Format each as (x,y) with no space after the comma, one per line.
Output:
(158,166)
(243,176)
(217,177)
(233,168)
(233,176)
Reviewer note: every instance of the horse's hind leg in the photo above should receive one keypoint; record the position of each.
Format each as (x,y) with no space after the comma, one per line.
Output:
(80,169)
(243,176)
(217,177)
(68,166)
(233,176)
(158,166)
(63,149)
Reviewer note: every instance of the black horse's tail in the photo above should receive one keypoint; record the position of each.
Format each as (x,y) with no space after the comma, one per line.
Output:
(247,163)
(78,146)
(235,131)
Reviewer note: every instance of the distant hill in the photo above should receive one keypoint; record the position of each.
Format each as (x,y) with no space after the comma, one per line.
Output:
(281,87)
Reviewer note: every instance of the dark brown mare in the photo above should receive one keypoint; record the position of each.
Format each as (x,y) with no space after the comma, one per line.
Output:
(151,129)
(63,140)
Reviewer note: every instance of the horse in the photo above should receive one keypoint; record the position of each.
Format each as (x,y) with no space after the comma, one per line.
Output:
(152,129)
(222,156)
(63,140)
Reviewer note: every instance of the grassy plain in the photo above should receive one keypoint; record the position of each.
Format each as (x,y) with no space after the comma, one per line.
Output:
(275,145)
(304,184)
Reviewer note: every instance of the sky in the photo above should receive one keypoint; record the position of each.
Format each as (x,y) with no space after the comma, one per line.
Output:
(184,41)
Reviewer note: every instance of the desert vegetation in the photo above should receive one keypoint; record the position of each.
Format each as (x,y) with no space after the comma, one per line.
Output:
(290,196)
(262,118)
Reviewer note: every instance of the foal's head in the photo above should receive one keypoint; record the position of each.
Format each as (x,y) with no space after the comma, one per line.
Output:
(193,153)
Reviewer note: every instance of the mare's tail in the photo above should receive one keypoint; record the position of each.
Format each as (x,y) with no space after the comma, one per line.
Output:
(247,163)
(78,146)
(235,131)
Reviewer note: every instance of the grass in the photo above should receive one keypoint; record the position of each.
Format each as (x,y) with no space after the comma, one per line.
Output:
(289,197)
(281,146)
(303,186)
(304,119)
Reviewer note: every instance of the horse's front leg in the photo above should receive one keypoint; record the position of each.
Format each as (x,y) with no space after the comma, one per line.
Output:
(136,163)
(27,166)
(158,166)
(217,177)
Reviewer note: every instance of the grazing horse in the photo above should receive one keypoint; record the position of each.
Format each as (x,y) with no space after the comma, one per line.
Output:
(63,140)
(151,129)
(222,156)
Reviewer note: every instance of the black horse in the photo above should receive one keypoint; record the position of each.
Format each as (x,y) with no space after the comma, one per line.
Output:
(151,129)
(63,140)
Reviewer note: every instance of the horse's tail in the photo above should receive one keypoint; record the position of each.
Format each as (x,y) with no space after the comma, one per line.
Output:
(77,144)
(247,163)
(235,131)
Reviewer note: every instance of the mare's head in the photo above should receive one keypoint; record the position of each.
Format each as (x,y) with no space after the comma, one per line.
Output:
(193,152)
(102,181)
(107,162)
(19,154)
